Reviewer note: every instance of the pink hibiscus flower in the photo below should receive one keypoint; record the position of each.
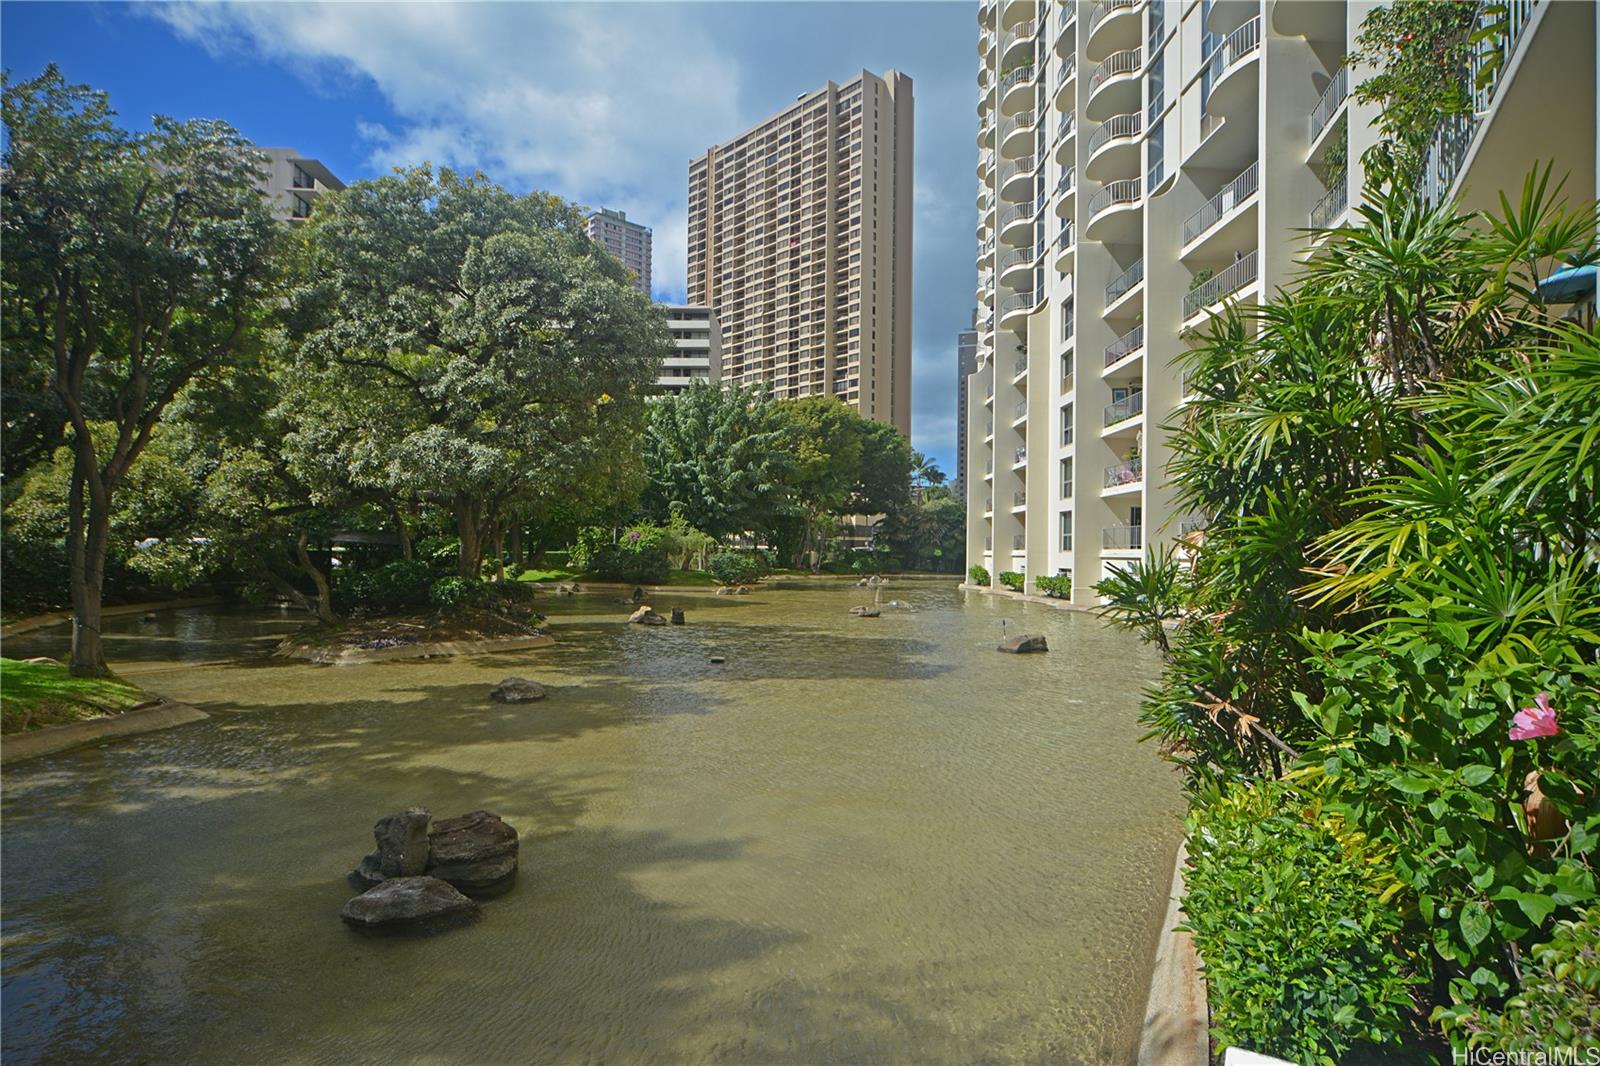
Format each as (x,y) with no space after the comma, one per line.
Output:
(1536,721)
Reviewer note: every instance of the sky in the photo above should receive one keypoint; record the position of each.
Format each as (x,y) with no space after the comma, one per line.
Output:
(601,103)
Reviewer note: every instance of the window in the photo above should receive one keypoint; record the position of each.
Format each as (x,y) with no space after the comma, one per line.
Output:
(1066,479)
(1066,531)
(1066,424)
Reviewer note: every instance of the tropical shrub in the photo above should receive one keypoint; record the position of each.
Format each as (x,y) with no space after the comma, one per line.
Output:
(732,567)
(875,562)
(977,575)
(458,592)
(639,554)
(1011,580)
(1295,919)
(391,586)
(1059,586)
(1559,1005)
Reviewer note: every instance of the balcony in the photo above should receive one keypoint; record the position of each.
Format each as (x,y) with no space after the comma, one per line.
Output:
(1123,475)
(988,429)
(1231,196)
(1112,25)
(1121,410)
(1016,224)
(1018,140)
(1019,500)
(1066,71)
(1328,211)
(1122,538)
(1114,212)
(1063,193)
(1327,107)
(1125,345)
(1114,84)
(1064,248)
(1019,367)
(1124,283)
(1016,267)
(1064,132)
(1020,457)
(1015,309)
(1113,148)
(1016,181)
(1016,89)
(1214,290)
(1019,413)
(1066,18)
(1019,544)
(1236,52)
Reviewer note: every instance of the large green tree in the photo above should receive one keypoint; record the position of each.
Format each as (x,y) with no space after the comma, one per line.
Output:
(134,263)
(466,348)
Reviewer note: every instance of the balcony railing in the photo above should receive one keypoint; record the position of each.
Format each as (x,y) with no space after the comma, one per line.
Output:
(1065,70)
(1332,97)
(1018,301)
(1019,498)
(1238,44)
(1021,456)
(1328,209)
(1068,176)
(1105,8)
(1232,195)
(1192,524)
(1125,408)
(1126,191)
(1025,30)
(1014,77)
(1122,538)
(1117,127)
(1128,473)
(1018,213)
(1024,120)
(1064,238)
(1241,273)
(1020,366)
(1481,79)
(1016,257)
(1065,127)
(1117,63)
(1124,282)
(1125,345)
(1019,543)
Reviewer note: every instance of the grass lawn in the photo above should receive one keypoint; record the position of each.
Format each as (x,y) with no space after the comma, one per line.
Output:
(35,695)
(675,579)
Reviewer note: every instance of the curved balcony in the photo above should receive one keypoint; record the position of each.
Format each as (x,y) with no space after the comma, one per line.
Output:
(1233,67)
(1116,212)
(1114,147)
(1016,267)
(1019,137)
(1019,43)
(1214,290)
(1065,246)
(1015,309)
(1015,12)
(1016,180)
(1066,26)
(1063,193)
(986,134)
(985,287)
(1112,26)
(1066,76)
(1315,20)
(1125,347)
(1066,130)
(1016,224)
(1228,15)
(1016,90)
(1226,217)
(986,12)
(985,161)
(1114,84)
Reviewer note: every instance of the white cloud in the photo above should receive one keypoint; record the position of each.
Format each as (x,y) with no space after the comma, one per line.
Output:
(603,104)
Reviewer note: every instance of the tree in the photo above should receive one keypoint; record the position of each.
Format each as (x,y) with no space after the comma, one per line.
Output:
(925,471)
(134,263)
(928,534)
(718,457)
(468,349)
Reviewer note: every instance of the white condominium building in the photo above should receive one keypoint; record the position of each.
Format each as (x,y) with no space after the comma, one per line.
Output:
(294,182)
(800,240)
(696,347)
(1142,163)
(628,241)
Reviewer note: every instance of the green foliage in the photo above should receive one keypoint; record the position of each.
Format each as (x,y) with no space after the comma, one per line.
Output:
(456,592)
(35,695)
(717,458)
(732,567)
(1294,916)
(1559,1005)
(393,586)
(1012,580)
(638,554)
(1057,587)
(977,575)
(874,562)
(929,533)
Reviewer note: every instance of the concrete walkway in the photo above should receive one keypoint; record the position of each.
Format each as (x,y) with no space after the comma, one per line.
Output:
(51,739)
(1175,1016)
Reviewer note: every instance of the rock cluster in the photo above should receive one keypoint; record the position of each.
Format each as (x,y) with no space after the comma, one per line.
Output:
(1021,645)
(418,877)
(646,616)
(517,690)
(865,612)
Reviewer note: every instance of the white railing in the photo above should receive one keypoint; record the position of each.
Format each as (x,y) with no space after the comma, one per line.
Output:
(1238,44)
(1016,257)
(1021,74)
(1125,408)
(1125,345)
(1232,195)
(1125,191)
(1128,473)
(1117,63)
(1328,209)
(1020,410)
(1332,97)
(1105,8)
(1065,70)
(1122,538)
(1065,184)
(1239,274)
(1064,238)
(1065,127)
(1024,120)
(1124,282)
(1117,127)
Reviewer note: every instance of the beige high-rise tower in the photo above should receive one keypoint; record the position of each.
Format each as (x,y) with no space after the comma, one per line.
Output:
(800,239)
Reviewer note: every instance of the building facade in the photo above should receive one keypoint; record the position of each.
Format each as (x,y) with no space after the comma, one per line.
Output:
(966,365)
(1141,164)
(696,347)
(294,182)
(628,241)
(800,240)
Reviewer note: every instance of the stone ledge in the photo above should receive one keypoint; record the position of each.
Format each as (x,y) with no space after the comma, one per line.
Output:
(1026,597)
(1176,1017)
(51,739)
(439,649)
(51,618)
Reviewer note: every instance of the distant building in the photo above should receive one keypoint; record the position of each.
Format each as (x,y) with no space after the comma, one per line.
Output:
(966,364)
(294,183)
(697,345)
(628,241)
(800,239)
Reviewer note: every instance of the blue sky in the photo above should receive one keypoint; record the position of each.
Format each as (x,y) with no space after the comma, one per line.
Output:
(603,103)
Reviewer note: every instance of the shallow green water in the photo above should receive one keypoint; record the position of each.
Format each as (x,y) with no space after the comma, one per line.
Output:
(856,841)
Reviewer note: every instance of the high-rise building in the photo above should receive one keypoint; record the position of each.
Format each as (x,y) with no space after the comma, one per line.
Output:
(966,364)
(628,241)
(800,239)
(1143,163)
(696,346)
(293,183)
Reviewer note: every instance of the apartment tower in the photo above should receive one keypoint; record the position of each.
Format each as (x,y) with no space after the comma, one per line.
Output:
(800,240)
(1143,163)
(696,346)
(628,241)
(966,364)
(293,183)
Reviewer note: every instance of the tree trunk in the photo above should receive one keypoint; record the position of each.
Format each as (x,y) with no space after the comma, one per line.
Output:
(470,561)
(318,578)
(286,590)
(402,532)
(499,553)
(516,548)
(86,543)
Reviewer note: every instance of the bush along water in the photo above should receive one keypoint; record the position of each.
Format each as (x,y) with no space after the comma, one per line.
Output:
(977,575)
(732,567)
(1380,658)
(1058,587)
(638,554)
(1012,580)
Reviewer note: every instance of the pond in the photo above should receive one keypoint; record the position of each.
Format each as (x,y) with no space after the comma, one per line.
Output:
(857,840)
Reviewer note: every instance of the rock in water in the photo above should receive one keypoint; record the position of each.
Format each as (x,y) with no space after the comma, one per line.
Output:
(368,872)
(517,690)
(474,851)
(1021,645)
(402,842)
(677,616)
(719,658)
(646,616)
(743,591)
(407,901)
(724,590)
(865,612)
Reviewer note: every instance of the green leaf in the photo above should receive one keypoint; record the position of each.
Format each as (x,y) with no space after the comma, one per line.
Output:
(1475,775)
(1474,923)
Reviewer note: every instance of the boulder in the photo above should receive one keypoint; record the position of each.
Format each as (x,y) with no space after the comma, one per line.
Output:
(677,616)
(476,877)
(472,837)
(741,590)
(719,658)
(1021,645)
(638,594)
(646,616)
(517,690)
(402,842)
(724,590)
(865,612)
(367,872)
(407,901)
